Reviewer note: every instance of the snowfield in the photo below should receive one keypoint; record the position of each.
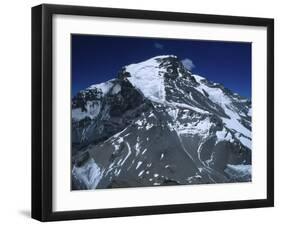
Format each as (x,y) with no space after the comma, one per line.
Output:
(148,78)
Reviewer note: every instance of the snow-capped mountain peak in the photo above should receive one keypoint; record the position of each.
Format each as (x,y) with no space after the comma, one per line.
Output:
(157,123)
(150,76)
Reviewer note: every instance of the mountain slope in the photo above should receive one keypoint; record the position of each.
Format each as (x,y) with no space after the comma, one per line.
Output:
(158,124)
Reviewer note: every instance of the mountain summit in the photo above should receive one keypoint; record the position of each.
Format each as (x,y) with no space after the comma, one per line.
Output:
(156,123)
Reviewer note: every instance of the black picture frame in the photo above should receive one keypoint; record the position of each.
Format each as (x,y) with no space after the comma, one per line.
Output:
(42,111)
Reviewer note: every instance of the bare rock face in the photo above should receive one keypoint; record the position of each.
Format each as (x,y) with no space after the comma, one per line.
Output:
(158,124)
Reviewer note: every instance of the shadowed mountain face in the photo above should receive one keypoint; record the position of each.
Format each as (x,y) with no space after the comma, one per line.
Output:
(158,124)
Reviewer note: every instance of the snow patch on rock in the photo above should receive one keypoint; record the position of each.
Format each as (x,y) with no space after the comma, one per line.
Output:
(224,135)
(89,174)
(116,89)
(239,171)
(103,87)
(92,110)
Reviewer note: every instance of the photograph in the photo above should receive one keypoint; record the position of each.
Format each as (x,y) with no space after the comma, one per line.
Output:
(159,111)
(141,112)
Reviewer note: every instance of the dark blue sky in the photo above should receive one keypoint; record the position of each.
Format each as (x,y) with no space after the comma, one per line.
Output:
(96,59)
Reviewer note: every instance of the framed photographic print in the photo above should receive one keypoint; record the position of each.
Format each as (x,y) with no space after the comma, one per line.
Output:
(147,112)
